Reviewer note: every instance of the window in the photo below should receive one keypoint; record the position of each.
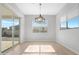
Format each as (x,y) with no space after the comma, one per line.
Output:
(63,22)
(73,23)
(38,27)
(70,23)
(63,25)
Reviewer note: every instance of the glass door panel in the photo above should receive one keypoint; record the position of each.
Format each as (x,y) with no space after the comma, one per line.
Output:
(6,42)
(16,31)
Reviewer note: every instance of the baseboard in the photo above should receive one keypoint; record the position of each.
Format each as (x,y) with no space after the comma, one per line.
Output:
(27,39)
(60,42)
(38,41)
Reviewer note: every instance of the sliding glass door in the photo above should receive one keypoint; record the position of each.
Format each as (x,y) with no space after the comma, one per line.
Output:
(6,26)
(9,33)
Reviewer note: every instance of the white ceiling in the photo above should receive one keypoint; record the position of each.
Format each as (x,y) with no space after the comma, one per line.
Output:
(34,8)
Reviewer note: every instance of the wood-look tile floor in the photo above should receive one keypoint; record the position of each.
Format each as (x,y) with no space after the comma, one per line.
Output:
(39,48)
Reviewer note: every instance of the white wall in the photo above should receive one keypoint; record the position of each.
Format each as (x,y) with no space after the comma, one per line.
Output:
(49,36)
(69,37)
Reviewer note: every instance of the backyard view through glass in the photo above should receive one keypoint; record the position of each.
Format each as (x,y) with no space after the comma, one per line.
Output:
(70,23)
(16,31)
(39,26)
(10,33)
(6,34)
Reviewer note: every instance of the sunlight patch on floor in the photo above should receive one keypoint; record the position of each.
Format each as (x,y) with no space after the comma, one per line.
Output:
(39,48)
(47,48)
(32,48)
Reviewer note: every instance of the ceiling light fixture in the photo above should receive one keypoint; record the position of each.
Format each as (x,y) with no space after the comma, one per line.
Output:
(40,18)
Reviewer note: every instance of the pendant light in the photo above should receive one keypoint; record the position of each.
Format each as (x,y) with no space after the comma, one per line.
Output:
(40,18)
